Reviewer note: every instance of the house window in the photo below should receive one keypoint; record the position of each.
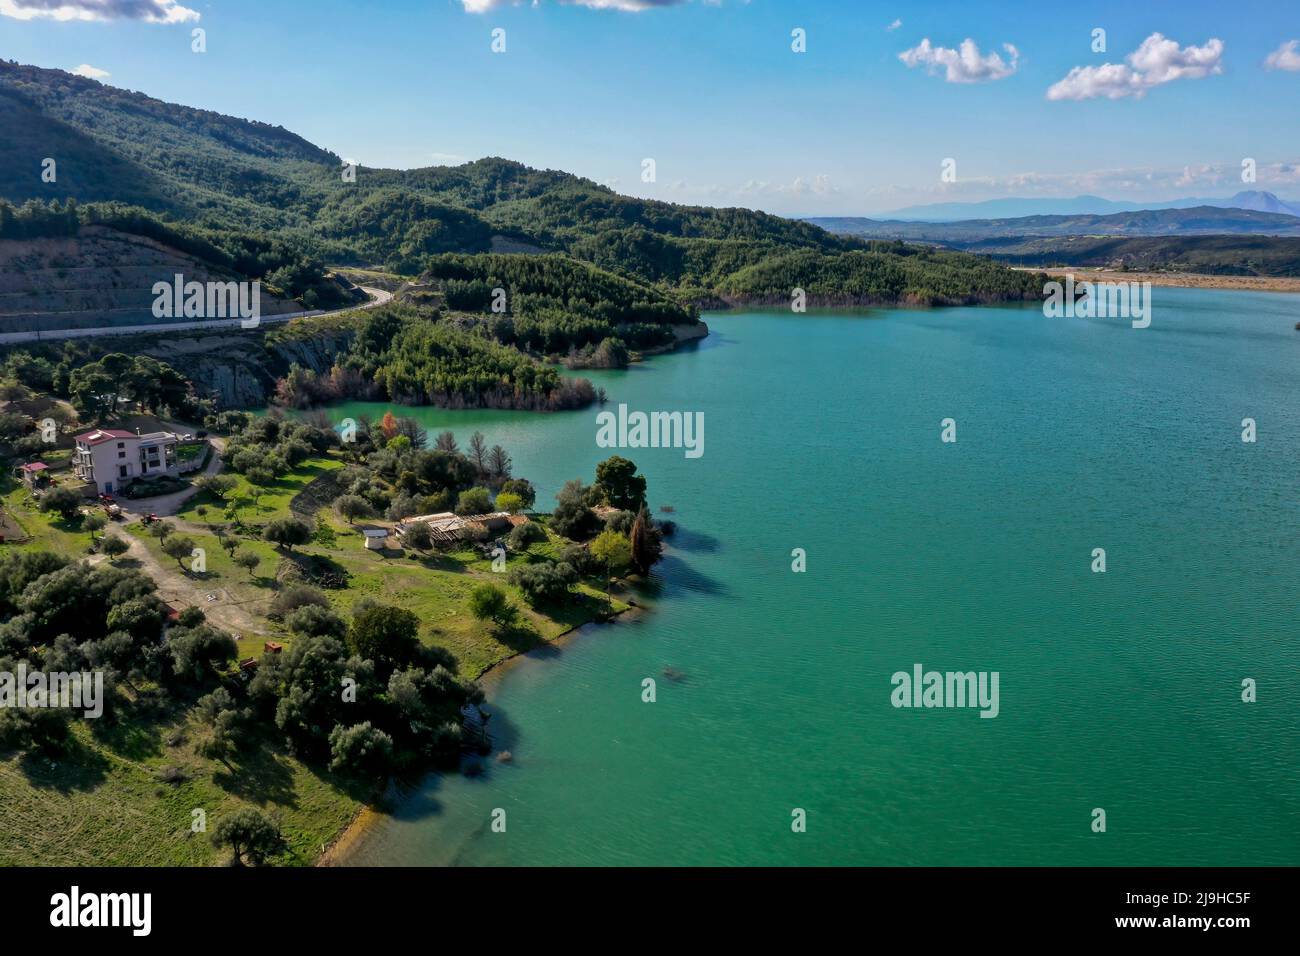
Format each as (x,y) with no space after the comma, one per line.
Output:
(121,471)
(121,454)
(121,444)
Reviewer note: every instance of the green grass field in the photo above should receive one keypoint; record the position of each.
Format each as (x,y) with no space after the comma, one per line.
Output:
(108,805)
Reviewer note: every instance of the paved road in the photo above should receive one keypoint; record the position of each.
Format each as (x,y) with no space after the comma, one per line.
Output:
(377,297)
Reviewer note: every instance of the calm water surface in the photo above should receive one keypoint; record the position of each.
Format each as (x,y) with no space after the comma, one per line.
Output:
(1118,690)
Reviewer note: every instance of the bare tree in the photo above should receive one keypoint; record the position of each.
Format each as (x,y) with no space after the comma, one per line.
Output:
(413,430)
(478,452)
(446,441)
(498,462)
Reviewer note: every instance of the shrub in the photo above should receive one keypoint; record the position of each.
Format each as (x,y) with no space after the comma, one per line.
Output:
(387,635)
(579,558)
(360,749)
(489,603)
(251,835)
(546,583)
(315,621)
(287,532)
(114,547)
(474,501)
(523,488)
(573,516)
(295,596)
(521,536)
(418,536)
(509,501)
(353,507)
(65,501)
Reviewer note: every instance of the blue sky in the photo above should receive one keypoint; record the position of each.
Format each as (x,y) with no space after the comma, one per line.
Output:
(714,94)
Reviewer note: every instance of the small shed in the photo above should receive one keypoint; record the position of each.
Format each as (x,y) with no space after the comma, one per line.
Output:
(32,472)
(272,647)
(376,538)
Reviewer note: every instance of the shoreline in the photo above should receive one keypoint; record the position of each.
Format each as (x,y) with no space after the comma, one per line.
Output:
(366,816)
(1181,280)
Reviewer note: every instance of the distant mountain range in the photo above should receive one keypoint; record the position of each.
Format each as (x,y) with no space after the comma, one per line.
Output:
(966,233)
(1256,200)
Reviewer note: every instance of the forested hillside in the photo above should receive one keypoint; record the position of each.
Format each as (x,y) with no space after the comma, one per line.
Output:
(218,173)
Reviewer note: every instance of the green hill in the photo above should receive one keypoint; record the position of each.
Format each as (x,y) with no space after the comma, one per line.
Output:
(210,171)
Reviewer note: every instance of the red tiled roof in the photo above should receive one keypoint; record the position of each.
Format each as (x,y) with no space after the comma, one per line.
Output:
(35,466)
(102,435)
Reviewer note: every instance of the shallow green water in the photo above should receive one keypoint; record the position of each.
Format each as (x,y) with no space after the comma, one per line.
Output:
(1118,690)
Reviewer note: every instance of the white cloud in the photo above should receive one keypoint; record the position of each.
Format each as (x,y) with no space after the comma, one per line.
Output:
(894,26)
(1286,57)
(1157,61)
(148,11)
(963,65)
(91,72)
(820,185)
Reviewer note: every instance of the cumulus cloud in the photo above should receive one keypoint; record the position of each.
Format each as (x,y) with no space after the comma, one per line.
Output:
(963,65)
(148,11)
(1286,57)
(819,185)
(1157,61)
(91,72)
(631,6)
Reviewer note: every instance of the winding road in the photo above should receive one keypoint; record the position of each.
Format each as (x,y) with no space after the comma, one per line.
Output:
(378,297)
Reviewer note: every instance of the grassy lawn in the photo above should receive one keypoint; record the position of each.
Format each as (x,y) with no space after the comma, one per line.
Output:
(47,531)
(107,804)
(437,588)
(273,501)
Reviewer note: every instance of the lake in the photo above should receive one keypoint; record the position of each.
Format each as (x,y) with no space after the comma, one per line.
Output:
(1119,690)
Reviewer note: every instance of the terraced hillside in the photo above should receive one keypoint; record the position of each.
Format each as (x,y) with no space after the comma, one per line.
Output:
(100,277)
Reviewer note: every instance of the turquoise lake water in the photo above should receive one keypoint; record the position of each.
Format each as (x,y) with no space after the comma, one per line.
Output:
(1119,691)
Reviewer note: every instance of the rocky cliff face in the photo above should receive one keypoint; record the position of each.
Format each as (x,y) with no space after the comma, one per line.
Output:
(239,369)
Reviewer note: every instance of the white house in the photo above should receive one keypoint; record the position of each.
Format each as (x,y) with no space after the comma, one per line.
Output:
(111,459)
